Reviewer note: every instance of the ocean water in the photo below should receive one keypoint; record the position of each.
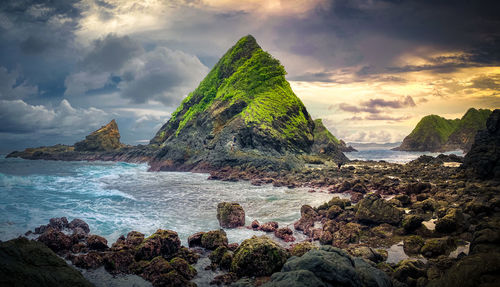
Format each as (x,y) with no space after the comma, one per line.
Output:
(391,155)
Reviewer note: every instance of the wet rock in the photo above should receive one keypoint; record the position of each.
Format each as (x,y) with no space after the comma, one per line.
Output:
(413,244)
(230,215)
(25,262)
(409,269)
(285,233)
(195,239)
(134,238)
(96,242)
(368,253)
(403,198)
(55,240)
(334,211)
(258,256)
(161,243)
(429,205)
(224,279)
(183,268)
(255,224)
(306,221)
(342,203)
(450,222)
(301,248)
(345,186)
(486,238)
(359,188)
(329,267)
(416,188)
(213,239)
(270,226)
(155,268)
(437,246)
(79,247)
(118,262)
(373,209)
(222,257)
(412,222)
(346,234)
(482,269)
(91,260)
(78,223)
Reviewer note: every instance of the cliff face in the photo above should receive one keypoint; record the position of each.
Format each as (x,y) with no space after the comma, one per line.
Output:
(106,138)
(484,157)
(325,142)
(244,108)
(437,134)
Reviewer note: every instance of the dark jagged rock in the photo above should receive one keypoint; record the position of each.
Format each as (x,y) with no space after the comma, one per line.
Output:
(328,266)
(29,263)
(96,242)
(104,139)
(258,256)
(484,157)
(213,239)
(55,240)
(437,134)
(270,226)
(230,214)
(326,143)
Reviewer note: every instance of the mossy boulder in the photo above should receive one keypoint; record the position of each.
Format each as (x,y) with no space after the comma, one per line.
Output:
(258,256)
(412,222)
(55,240)
(451,221)
(437,246)
(91,260)
(213,239)
(161,243)
(107,138)
(301,248)
(413,244)
(222,257)
(183,268)
(96,242)
(230,214)
(409,269)
(25,262)
(373,209)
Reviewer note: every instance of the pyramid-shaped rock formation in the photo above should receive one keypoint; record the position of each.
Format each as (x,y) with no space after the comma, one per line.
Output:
(243,110)
(106,138)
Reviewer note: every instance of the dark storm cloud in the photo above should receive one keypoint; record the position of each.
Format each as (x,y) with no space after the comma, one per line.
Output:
(486,82)
(375,33)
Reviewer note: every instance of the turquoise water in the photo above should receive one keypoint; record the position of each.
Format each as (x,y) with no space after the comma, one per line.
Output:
(115,198)
(392,156)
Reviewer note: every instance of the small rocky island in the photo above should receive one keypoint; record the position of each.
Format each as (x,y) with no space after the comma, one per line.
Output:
(437,134)
(244,122)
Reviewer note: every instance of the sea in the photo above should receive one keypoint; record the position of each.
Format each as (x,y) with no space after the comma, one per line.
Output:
(115,198)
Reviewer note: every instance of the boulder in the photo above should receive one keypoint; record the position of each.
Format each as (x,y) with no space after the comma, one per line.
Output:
(230,214)
(409,268)
(270,226)
(373,209)
(412,222)
(285,233)
(195,239)
(413,244)
(183,268)
(91,260)
(213,239)
(368,253)
(96,242)
(55,240)
(328,266)
(221,257)
(78,223)
(26,262)
(301,248)
(106,138)
(258,256)
(118,261)
(450,222)
(161,243)
(437,246)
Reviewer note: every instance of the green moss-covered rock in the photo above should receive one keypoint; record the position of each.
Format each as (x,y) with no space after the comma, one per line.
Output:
(106,138)
(437,134)
(437,246)
(161,243)
(451,221)
(213,239)
(412,222)
(183,268)
(301,248)
(413,244)
(230,214)
(258,256)
(29,263)
(373,209)
(243,104)
(409,269)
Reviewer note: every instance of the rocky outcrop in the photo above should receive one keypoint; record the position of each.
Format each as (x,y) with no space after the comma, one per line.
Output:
(243,113)
(258,256)
(325,142)
(161,243)
(25,262)
(483,160)
(230,215)
(437,134)
(104,139)
(328,266)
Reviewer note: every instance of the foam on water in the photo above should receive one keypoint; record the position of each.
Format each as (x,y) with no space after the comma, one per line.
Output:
(115,198)
(392,156)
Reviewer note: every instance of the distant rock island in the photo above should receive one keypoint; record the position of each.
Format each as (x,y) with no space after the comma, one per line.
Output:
(437,134)
(244,113)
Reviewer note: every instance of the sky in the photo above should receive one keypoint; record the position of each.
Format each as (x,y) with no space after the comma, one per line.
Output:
(369,68)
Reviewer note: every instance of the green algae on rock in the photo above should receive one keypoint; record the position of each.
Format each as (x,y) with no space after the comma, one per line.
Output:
(230,214)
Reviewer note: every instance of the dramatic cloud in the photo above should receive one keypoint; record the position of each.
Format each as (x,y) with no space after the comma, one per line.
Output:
(373,106)
(161,75)
(18,117)
(12,86)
